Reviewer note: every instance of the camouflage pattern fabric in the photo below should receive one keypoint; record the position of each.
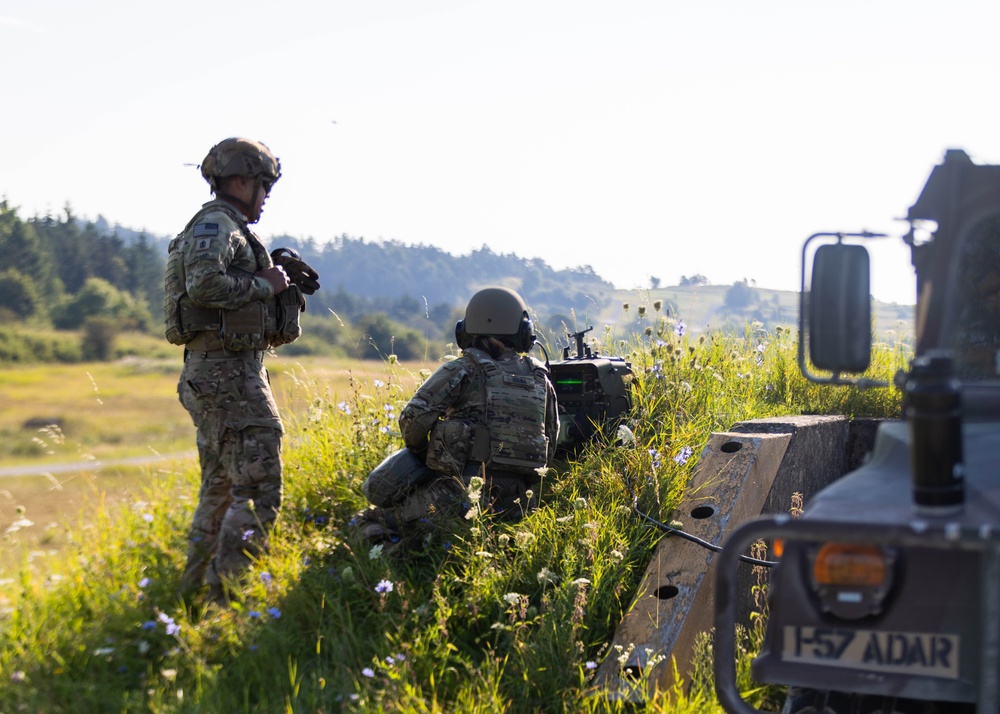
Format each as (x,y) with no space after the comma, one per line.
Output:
(239,444)
(453,404)
(454,400)
(219,256)
(224,387)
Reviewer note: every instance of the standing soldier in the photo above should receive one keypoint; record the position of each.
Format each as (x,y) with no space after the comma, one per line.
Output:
(490,414)
(227,301)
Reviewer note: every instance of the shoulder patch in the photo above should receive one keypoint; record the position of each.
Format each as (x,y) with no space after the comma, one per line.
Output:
(202,244)
(206,229)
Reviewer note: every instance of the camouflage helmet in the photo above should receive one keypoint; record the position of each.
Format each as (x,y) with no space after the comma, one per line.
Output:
(240,157)
(496,312)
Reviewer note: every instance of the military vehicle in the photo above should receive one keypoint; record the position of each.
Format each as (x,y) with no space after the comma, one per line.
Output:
(886,593)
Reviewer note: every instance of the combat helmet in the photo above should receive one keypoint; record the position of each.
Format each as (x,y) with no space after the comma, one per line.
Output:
(496,312)
(240,157)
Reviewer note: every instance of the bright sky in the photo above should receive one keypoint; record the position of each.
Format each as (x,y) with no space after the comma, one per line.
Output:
(645,138)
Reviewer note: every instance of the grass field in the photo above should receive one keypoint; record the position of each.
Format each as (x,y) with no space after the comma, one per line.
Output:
(493,617)
(94,434)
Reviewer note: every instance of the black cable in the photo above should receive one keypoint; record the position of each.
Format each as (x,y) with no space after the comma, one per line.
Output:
(670,530)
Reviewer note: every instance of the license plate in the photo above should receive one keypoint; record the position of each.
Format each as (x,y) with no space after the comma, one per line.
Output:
(912,653)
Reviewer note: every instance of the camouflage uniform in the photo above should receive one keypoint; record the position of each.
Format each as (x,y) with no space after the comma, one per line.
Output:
(225,388)
(464,427)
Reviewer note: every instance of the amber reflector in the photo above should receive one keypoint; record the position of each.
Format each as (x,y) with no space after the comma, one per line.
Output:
(850,564)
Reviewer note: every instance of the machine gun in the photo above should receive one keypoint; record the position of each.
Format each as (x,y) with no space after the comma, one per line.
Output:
(593,392)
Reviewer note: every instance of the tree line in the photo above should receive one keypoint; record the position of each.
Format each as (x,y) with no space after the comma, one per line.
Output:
(377,298)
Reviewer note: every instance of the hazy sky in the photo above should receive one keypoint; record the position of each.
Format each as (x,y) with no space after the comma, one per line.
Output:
(646,139)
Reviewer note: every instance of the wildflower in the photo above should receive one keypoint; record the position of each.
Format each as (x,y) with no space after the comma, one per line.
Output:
(591,665)
(173,628)
(144,582)
(17,676)
(368,672)
(580,503)
(247,534)
(375,553)
(266,578)
(523,538)
(648,332)
(169,674)
(616,555)
(384,586)
(274,612)
(148,517)
(148,625)
(143,647)
(679,328)
(530,494)
(642,311)
(512,598)
(683,455)
(344,407)
(390,661)
(254,614)
(625,435)
(761,347)
(546,576)
(378,383)
(401,657)
(101,651)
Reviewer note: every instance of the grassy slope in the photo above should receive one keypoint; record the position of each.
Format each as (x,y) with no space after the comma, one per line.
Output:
(495,617)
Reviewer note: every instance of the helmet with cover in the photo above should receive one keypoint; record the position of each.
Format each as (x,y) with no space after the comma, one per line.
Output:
(240,157)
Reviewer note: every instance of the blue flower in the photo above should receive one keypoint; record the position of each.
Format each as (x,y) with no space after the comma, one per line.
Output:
(148,625)
(679,328)
(254,613)
(368,672)
(384,586)
(274,612)
(683,455)
(344,407)
(144,582)
(247,534)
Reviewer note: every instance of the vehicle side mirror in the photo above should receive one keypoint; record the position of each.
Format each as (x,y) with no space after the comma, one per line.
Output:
(840,309)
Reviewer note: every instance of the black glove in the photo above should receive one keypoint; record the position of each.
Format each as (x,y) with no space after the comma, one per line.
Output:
(298,270)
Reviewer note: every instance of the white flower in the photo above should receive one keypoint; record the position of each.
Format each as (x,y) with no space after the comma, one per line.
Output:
(375,553)
(625,435)
(512,598)
(546,576)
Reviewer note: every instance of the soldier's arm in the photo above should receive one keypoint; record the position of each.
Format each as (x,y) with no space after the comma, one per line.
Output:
(209,282)
(441,390)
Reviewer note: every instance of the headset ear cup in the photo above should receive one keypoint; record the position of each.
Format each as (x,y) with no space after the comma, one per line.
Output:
(525,335)
(462,338)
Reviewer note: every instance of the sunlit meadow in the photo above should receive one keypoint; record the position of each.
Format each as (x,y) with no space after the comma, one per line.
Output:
(492,617)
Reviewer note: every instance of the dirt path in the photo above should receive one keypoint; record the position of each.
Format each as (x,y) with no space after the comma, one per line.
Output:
(90,465)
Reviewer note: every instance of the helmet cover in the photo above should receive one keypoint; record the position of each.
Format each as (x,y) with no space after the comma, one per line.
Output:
(239,157)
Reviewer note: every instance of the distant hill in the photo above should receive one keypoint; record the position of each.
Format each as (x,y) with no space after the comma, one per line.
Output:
(709,307)
(417,283)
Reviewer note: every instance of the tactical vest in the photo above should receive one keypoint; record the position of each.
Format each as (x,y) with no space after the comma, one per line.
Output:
(254,326)
(514,416)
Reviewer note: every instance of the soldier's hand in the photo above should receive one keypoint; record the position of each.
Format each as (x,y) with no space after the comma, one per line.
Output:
(299,271)
(277,277)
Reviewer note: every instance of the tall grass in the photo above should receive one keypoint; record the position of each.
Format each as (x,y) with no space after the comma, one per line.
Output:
(493,617)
